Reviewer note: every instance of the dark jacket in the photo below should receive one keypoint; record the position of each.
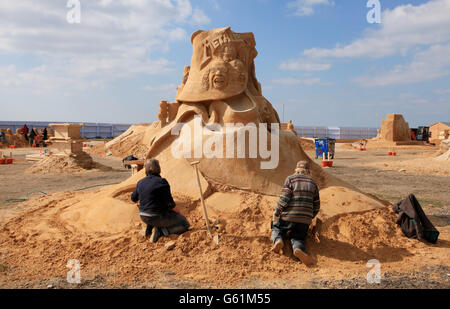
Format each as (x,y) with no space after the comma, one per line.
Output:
(32,134)
(413,221)
(44,134)
(153,194)
(299,200)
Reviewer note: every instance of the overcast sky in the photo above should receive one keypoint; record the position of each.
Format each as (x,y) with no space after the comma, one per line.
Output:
(320,58)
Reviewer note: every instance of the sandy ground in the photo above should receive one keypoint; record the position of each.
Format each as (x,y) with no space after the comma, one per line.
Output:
(130,261)
(16,183)
(393,178)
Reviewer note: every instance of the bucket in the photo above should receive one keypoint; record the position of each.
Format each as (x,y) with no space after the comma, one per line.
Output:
(394,154)
(330,163)
(9,160)
(390,153)
(12,146)
(324,163)
(2,161)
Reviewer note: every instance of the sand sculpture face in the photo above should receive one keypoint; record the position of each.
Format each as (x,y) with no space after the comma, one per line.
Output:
(221,66)
(218,75)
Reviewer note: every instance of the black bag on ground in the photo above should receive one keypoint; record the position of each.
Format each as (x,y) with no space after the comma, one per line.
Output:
(129,158)
(413,221)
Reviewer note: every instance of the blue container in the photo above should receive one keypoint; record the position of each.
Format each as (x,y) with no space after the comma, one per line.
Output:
(325,145)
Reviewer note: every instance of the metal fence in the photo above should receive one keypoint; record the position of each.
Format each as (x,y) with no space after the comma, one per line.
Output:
(110,130)
(89,130)
(337,132)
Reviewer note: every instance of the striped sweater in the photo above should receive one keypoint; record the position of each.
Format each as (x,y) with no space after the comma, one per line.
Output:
(299,200)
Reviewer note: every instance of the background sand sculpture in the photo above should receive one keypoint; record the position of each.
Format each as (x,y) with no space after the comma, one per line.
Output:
(65,154)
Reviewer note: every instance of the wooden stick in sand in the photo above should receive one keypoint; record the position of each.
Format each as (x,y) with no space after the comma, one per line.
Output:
(205,214)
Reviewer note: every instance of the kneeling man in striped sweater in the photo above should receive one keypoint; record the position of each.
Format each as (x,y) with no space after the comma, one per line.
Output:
(299,203)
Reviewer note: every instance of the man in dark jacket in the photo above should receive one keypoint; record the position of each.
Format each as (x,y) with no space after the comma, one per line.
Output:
(32,136)
(299,203)
(44,134)
(156,204)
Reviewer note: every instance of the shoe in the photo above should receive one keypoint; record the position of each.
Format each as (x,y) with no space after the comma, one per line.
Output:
(302,256)
(279,244)
(156,233)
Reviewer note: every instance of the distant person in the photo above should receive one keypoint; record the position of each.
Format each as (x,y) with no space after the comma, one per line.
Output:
(44,134)
(24,131)
(299,203)
(156,205)
(32,136)
(2,137)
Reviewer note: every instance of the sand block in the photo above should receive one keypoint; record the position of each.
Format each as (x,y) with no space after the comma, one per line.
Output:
(67,130)
(395,128)
(67,146)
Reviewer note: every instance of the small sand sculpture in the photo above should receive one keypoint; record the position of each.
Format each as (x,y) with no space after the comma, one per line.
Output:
(67,155)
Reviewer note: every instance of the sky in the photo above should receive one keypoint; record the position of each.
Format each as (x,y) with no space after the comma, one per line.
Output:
(319,60)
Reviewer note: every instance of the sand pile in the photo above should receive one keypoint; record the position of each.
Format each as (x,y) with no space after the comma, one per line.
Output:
(444,151)
(344,146)
(444,157)
(307,144)
(364,230)
(56,163)
(65,226)
(131,142)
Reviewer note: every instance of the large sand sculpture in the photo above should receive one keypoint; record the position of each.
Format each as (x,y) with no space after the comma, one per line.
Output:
(102,227)
(220,87)
(394,132)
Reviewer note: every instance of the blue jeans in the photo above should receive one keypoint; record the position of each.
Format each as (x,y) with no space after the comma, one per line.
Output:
(168,223)
(297,236)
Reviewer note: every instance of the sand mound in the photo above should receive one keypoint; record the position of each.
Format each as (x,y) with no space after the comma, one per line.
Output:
(131,142)
(307,144)
(365,230)
(56,163)
(444,157)
(105,237)
(344,146)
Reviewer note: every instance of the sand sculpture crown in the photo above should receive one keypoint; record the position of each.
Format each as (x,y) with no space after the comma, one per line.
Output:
(221,66)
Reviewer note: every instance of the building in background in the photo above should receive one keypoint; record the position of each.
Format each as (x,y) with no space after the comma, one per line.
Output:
(437,128)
